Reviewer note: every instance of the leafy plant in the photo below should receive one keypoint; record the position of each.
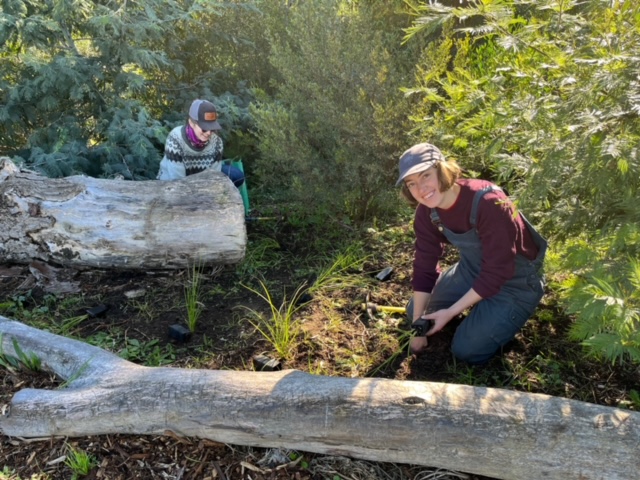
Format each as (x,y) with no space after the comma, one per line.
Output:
(79,462)
(148,353)
(607,309)
(29,360)
(280,328)
(25,309)
(94,87)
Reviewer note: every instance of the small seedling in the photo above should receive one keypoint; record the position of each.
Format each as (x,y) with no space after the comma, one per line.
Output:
(79,462)
(30,360)
(192,296)
(6,361)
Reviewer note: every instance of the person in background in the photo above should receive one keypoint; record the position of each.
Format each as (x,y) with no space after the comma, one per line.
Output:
(498,275)
(196,146)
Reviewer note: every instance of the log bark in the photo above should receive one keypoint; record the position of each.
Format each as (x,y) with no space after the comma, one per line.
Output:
(81,221)
(492,432)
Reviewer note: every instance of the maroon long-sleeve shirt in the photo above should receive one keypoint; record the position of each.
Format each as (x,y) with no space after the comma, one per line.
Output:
(502,233)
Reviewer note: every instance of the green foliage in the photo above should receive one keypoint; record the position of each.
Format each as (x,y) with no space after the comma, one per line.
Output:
(147,353)
(634,397)
(68,325)
(339,274)
(280,328)
(606,303)
(7,361)
(543,97)
(192,292)
(25,309)
(22,359)
(262,252)
(9,474)
(334,129)
(79,462)
(403,350)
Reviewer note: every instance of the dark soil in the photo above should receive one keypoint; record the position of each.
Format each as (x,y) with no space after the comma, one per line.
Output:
(139,308)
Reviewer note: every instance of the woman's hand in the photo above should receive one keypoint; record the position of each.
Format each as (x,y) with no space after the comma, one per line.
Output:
(417,344)
(440,319)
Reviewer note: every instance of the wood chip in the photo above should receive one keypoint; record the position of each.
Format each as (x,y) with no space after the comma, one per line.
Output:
(177,437)
(140,456)
(253,468)
(56,461)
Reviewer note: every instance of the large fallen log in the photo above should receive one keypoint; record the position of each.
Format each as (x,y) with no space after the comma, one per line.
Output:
(83,221)
(491,432)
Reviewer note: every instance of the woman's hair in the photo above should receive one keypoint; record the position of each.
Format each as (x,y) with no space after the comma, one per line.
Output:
(448,172)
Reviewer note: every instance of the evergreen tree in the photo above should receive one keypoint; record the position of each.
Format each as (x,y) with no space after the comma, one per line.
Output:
(72,75)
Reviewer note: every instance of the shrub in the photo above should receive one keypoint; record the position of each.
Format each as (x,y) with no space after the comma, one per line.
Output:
(543,96)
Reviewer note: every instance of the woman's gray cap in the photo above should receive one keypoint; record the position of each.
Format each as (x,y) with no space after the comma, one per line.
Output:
(417,159)
(204,113)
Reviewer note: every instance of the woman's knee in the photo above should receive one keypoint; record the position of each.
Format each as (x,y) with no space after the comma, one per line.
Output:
(235,174)
(473,351)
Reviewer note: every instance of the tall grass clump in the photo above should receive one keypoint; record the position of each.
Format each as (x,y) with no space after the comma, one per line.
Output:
(192,292)
(280,327)
(344,271)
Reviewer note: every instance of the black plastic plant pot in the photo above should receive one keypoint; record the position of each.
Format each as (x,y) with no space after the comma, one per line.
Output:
(97,311)
(385,274)
(304,298)
(179,333)
(262,363)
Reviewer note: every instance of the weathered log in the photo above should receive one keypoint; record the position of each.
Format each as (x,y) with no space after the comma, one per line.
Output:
(492,432)
(83,221)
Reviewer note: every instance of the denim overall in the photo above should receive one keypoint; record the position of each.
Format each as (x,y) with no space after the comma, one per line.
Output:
(493,321)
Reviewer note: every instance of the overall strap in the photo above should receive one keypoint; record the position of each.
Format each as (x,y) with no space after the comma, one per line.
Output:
(435,219)
(476,200)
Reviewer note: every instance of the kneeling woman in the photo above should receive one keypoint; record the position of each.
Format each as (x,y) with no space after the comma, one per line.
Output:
(501,256)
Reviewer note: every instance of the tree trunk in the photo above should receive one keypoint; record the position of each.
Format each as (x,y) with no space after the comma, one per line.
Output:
(83,221)
(491,432)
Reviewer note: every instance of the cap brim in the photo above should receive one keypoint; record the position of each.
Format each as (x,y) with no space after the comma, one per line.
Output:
(421,167)
(210,125)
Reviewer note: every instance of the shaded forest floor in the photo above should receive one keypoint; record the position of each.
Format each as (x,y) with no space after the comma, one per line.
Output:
(133,313)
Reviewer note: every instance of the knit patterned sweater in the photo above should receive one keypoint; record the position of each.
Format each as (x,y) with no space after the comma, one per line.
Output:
(182,158)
